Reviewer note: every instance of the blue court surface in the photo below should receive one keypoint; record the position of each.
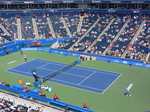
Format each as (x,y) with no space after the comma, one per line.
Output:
(89,79)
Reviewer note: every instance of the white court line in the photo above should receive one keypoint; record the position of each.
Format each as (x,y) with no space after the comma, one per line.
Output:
(13,70)
(77,84)
(74,87)
(23,64)
(58,63)
(87,77)
(41,66)
(28,71)
(98,71)
(12,62)
(111,83)
(19,71)
(80,66)
(64,72)
(20,64)
(94,69)
(84,68)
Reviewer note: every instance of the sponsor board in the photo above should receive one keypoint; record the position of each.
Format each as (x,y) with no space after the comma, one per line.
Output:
(139,64)
(24,49)
(125,62)
(148,65)
(61,52)
(116,61)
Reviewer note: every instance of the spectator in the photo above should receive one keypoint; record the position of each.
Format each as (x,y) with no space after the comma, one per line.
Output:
(29,109)
(56,97)
(85,106)
(67,108)
(35,76)
(20,81)
(7,52)
(25,89)
(24,83)
(41,94)
(21,52)
(38,109)
(5,84)
(83,58)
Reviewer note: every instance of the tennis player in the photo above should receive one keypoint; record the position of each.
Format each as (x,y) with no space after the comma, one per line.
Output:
(128,92)
(25,57)
(35,76)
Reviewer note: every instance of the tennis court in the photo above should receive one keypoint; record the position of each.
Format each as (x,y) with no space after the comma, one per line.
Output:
(89,79)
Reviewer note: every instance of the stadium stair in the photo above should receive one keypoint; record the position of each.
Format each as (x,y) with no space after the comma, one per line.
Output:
(54,45)
(147,57)
(134,38)
(85,33)
(100,34)
(67,29)
(6,32)
(80,24)
(35,28)
(19,29)
(51,27)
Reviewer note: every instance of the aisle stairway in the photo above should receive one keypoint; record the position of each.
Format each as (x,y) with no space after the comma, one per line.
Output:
(51,27)
(4,30)
(35,28)
(67,29)
(80,24)
(19,29)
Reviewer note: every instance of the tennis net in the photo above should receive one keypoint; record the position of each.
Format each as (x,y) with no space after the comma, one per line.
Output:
(58,71)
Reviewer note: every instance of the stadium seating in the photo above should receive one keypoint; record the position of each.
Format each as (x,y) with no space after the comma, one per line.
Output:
(124,39)
(27,27)
(8,21)
(43,28)
(72,20)
(94,41)
(33,94)
(103,42)
(140,48)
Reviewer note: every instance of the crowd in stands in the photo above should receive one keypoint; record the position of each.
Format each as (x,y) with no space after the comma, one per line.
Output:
(143,38)
(140,48)
(121,44)
(95,41)
(9,106)
(108,36)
